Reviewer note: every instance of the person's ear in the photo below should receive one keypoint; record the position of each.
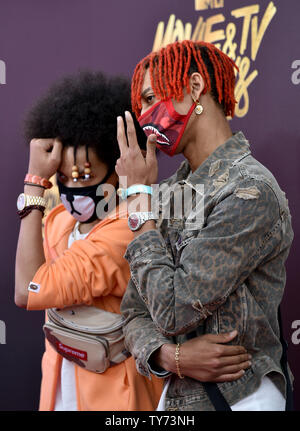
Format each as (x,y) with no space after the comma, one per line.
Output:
(196,85)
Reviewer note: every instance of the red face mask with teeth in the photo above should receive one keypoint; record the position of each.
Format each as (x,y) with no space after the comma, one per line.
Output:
(162,120)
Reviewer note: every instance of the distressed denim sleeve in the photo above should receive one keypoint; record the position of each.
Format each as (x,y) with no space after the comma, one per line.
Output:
(239,233)
(142,338)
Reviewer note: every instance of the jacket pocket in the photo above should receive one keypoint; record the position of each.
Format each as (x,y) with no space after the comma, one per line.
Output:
(184,238)
(232,315)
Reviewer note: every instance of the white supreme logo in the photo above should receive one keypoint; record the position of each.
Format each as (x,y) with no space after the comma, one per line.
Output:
(72,351)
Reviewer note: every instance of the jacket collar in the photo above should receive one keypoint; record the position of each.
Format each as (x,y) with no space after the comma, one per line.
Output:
(234,149)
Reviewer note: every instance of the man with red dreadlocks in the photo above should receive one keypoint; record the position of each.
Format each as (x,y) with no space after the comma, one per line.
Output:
(226,273)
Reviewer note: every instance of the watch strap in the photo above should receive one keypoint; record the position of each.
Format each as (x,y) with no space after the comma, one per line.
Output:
(35,200)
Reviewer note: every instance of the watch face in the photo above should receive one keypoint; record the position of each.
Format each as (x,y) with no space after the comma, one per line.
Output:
(134,221)
(21,202)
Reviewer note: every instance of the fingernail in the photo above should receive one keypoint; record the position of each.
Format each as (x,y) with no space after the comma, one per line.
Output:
(127,114)
(233,333)
(249,356)
(153,138)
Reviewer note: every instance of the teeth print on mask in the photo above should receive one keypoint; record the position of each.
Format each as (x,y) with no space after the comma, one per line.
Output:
(81,202)
(166,123)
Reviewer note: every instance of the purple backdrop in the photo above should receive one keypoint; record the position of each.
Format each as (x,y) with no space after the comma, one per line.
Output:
(40,41)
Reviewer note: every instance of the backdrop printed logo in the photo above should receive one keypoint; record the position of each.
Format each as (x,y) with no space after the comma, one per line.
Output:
(2,72)
(240,38)
(2,332)
(206,4)
(296,74)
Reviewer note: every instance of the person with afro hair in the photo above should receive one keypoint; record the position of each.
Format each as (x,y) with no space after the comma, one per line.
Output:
(82,110)
(72,134)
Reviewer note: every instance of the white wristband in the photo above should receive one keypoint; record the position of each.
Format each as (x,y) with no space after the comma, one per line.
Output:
(132,190)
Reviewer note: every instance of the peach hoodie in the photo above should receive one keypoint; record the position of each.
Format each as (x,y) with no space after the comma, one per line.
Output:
(92,271)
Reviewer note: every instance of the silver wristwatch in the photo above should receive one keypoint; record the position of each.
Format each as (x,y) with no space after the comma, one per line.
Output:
(137,219)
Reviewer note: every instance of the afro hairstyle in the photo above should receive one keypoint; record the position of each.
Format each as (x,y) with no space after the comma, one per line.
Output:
(82,109)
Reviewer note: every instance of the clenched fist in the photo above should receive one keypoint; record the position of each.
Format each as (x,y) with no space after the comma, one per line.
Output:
(45,157)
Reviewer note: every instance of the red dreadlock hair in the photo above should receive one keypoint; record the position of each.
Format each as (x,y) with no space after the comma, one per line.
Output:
(170,69)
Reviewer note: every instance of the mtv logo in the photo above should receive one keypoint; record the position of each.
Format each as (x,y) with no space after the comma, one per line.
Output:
(208,4)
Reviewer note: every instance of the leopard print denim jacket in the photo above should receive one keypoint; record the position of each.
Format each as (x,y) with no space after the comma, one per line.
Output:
(226,271)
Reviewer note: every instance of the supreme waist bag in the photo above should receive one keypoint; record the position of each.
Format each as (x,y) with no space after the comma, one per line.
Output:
(90,337)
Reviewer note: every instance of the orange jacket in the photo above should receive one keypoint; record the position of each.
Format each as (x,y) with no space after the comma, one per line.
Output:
(92,271)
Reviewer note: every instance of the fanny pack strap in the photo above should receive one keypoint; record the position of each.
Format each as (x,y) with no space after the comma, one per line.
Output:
(220,403)
(216,397)
(289,406)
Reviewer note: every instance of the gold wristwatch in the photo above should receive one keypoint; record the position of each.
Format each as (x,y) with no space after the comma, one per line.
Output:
(27,203)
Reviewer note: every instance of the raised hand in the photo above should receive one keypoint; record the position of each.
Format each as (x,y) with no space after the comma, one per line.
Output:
(45,157)
(132,164)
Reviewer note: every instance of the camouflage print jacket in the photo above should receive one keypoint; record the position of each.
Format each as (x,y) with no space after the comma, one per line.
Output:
(221,273)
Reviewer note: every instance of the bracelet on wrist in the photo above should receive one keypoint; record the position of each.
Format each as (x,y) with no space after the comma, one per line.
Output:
(35,179)
(23,213)
(132,190)
(26,183)
(177,353)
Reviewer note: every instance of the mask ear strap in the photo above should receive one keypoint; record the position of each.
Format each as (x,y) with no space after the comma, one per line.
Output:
(87,165)
(75,173)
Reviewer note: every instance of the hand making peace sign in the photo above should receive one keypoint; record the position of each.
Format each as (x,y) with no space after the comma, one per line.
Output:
(132,164)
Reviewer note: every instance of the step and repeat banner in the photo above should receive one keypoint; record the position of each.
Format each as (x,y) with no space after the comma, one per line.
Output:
(42,41)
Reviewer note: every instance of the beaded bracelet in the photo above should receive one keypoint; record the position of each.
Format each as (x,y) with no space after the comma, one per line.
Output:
(35,179)
(177,351)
